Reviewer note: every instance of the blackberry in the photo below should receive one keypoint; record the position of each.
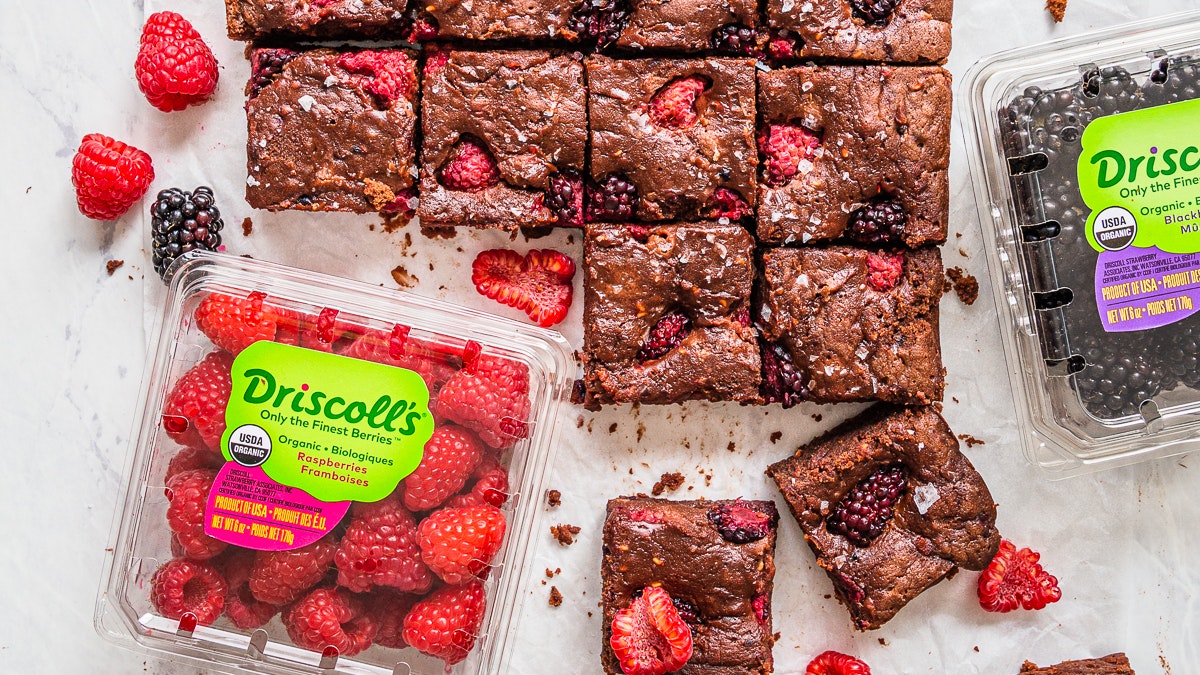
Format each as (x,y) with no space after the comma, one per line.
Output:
(736,39)
(687,610)
(266,65)
(1110,90)
(781,382)
(666,335)
(874,12)
(612,200)
(1178,349)
(880,222)
(565,197)
(862,515)
(599,22)
(1174,82)
(1120,375)
(181,222)
(738,523)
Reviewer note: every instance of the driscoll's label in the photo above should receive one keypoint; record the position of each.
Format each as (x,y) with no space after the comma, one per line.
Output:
(1139,173)
(307,433)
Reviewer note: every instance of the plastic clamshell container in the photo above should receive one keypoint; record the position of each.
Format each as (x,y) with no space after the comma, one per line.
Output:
(1089,395)
(141,543)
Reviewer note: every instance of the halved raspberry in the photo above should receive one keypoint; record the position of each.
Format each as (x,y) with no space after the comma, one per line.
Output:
(380,549)
(234,323)
(489,396)
(387,74)
(187,493)
(835,663)
(599,21)
(729,204)
(884,270)
(1015,578)
(613,200)
(445,624)
(737,39)
(666,334)
(458,544)
(565,198)
(330,617)
(739,523)
(242,608)
(451,454)
(538,283)
(279,577)
(182,586)
(880,222)
(196,404)
(784,147)
(649,637)
(674,106)
(265,65)
(874,12)
(470,166)
(862,515)
(782,381)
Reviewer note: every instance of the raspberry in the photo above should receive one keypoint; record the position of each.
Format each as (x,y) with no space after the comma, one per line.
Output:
(241,607)
(784,147)
(539,283)
(330,617)
(736,39)
(729,204)
(189,459)
(874,12)
(613,200)
(451,454)
(423,27)
(109,176)
(1014,579)
(834,663)
(387,74)
(739,523)
(197,403)
(781,45)
(380,549)
(649,637)
(458,544)
(470,166)
(639,232)
(175,68)
(234,323)
(389,609)
(862,515)
(445,624)
(884,270)
(880,222)
(181,587)
(279,577)
(667,334)
(188,494)
(491,485)
(674,105)
(183,221)
(565,198)
(266,65)
(599,21)
(397,349)
(436,58)
(782,382)
(489,396)
(762,607)
(325,332)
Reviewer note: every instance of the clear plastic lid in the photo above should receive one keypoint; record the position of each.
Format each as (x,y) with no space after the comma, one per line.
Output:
(279,407)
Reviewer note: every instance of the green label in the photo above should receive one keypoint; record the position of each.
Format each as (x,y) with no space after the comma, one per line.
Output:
(336,427)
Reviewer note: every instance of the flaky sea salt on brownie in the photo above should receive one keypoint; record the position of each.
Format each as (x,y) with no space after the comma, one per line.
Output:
(851,324)
(504,139)
(894,31)
(854,152)
(250,19)
(1113,664)
(714,560)
(890,507)
(331,130)
(666,314)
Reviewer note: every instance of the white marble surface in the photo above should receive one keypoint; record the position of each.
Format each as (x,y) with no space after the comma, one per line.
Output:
(1123,542)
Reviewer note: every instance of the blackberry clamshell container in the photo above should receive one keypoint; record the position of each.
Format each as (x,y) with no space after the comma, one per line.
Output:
(327,388)
(1086,164)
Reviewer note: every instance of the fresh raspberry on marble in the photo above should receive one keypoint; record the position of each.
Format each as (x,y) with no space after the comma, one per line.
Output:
(489,396)
(380,548)
(458,544)
(109,176)
(739,523)
(387,74)
(835,663)
(330,617)
(538,283)
(674,105)
(242,608)
(175,68)
(234,323)
(445,624)
(389,609)
(884,270)
(182,586)
(187,493)
(470,166)
(649,637)
(279,577)
(784,147)
(194,412)
(451,454)
(1015,578)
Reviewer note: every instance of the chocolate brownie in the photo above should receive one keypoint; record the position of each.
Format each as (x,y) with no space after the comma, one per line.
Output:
(860,152)
(895,31)
(250,19)
(1113,664)
(502,19)
(922,509)
(672,138)
(331,130)
(685,25)
(716,559)
(852,324)
(504,139)
(666,314)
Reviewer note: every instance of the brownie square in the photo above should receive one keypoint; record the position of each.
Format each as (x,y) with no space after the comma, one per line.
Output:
(331,130)
(666,314)
(518,121)
(1113,664)
(250,19)
(914,31)
(841,143)
(854,324)
(688,153)
(719,575)
(943,516)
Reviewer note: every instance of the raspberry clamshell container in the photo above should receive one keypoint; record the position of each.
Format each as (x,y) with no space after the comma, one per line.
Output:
(448,334)
(1087,182)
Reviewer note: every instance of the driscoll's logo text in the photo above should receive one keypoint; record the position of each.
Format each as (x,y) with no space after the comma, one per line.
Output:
(394,415)
(1115,167)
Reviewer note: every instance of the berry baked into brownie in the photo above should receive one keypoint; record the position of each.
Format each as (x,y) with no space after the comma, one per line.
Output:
(687,586)
(897,31)
(890,507)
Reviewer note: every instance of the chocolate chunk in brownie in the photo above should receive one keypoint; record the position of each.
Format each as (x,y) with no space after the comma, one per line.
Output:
(1113,664)
(854,324)
(672,138)
(331,130)
(666,314)
(504,139)
(930,510)
(716,559)
(895,31)
(855,152)
(250,19)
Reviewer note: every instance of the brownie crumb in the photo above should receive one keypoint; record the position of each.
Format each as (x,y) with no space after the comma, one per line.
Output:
(553,498)
(113,266)
(555,597)
(970,440)
(612,428)
(817,417)
(247,226)
(579,422)
(565,534)
(431,232)
(775,436)
(403,278)
(732,447)
(964,285)
(883,642)
(641,431)
(551,573)
(578,392)
(954,398)
(976,648)
(669,482)
(1057,9)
